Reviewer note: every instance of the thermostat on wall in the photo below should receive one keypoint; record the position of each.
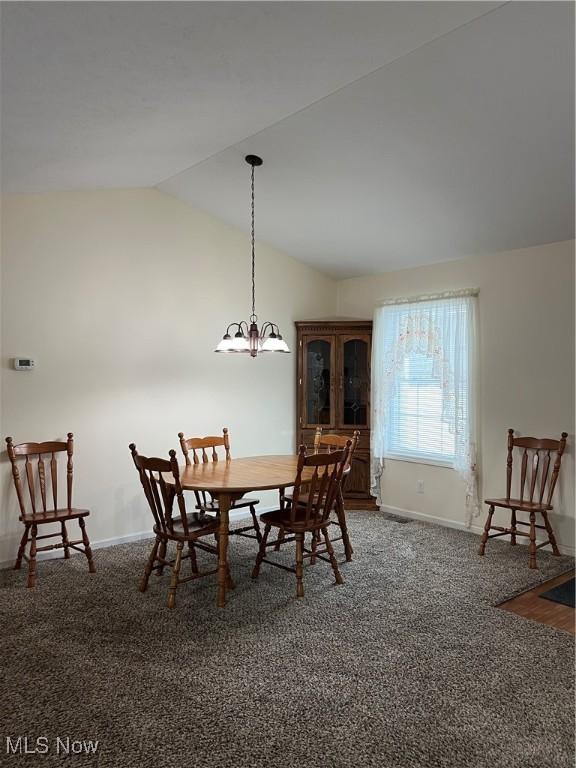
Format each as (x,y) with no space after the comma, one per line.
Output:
(23,363)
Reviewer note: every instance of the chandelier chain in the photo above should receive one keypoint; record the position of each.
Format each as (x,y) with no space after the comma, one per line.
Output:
(253,251)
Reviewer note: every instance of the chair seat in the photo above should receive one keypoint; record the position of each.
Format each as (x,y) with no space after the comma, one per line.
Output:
(280,518)
(197,526)
(240,504)
(522,505)
(55,515)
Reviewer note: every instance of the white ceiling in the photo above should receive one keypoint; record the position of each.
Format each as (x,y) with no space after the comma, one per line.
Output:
(393,134)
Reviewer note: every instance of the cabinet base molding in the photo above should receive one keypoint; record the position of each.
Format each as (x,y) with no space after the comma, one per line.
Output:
(359,504)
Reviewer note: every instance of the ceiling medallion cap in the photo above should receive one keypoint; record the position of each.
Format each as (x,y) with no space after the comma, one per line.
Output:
(253,160)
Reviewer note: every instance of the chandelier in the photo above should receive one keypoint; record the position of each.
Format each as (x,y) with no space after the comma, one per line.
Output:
(247,337)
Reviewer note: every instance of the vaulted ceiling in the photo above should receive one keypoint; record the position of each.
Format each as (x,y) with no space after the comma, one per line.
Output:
(393,134)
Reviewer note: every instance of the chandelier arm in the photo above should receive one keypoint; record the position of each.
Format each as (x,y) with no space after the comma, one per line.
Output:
(268,324)
(237,325)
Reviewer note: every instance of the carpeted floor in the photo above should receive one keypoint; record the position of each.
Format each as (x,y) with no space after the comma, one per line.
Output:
(407,665)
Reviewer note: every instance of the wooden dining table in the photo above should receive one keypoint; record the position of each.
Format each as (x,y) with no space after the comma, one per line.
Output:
(227,481)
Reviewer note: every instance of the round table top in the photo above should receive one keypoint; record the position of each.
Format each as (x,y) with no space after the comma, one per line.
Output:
(254,473)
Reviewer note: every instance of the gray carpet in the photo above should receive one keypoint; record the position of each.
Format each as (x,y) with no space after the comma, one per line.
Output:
(408,664)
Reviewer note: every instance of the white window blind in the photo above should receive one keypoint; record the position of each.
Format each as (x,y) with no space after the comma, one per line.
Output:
(416,426)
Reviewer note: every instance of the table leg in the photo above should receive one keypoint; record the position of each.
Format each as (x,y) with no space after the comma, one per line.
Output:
(224,503)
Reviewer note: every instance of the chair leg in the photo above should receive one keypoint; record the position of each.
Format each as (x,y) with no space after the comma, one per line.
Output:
(513,526)
(315,537)
(32,560)
(86,543)
(255,523)
(229,580)
(143,586)
(162,556)
(299,564)
(175,575)
(532,546)
(279,540)
(333,563)
(193,561)
(550,532)
(261,552)
(65,540)
(341,514)
(487,527)
(22,548)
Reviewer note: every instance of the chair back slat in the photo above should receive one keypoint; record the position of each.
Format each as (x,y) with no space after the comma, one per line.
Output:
(535,466)
(322,488)
(524,471)
(537,452)
(36,473)
(54,476)
(544,476)
(42,477)
(159,494)
(30,477)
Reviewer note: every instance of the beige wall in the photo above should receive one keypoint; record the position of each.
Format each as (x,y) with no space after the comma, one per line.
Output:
(121,296)
(526,367)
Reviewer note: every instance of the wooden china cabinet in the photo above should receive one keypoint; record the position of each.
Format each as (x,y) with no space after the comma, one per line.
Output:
(333,391)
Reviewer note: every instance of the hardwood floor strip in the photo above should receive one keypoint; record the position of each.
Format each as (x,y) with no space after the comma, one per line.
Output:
(531,606)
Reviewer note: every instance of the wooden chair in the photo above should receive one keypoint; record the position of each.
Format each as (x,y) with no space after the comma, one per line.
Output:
(199,447)
(542,486)
(34,517)
(308,513)
(180,528)
(327,444)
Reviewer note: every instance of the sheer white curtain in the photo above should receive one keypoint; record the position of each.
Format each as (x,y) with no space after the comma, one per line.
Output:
(441,329)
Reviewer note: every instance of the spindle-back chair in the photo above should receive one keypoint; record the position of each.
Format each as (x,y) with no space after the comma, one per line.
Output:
(327,443)
(318,483)
(534,497)
(42,487)
(171,525)
(203,450)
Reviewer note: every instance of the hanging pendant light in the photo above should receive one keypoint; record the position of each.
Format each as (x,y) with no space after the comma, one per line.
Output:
(247,337)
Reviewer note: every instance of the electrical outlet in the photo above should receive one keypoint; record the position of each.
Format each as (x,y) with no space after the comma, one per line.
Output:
(420,486)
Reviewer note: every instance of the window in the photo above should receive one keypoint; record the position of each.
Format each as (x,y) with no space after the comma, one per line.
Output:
(420,419)
(424,374)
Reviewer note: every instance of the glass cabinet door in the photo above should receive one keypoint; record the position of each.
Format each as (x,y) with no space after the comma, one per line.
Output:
(318,381)
(354,364)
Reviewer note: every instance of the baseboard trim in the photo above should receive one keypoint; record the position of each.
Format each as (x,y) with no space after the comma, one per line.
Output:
(476,527)
(125,539)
